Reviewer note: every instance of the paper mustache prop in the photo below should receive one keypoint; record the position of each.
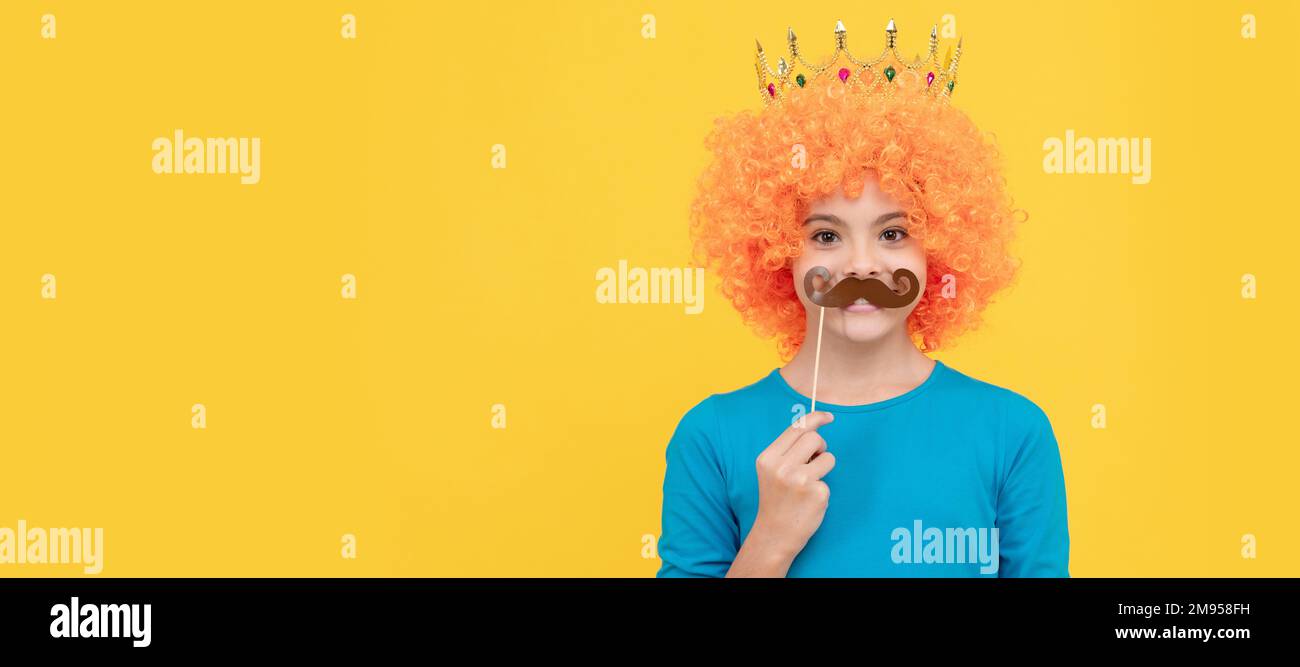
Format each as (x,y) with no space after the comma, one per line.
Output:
(848,290)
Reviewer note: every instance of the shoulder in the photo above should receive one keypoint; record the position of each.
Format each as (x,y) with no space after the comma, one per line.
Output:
(701,417)
(1026,446)
(735,402)
(703,421)
(1017,410)
(1019,428)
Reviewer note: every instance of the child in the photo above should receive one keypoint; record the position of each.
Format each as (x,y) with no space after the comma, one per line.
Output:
(908,467)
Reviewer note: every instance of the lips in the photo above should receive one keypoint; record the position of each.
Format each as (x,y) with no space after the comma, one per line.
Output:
(861,306)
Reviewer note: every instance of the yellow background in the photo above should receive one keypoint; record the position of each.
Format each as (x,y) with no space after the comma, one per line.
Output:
(476,285)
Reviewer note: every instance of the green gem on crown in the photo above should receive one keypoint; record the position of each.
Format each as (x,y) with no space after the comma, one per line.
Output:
(889,73)
(950,85)
(800,80)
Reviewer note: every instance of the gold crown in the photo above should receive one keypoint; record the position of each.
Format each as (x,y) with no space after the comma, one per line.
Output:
(884,71)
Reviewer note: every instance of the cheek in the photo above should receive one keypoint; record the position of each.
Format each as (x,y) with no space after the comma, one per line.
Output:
(798,272)
(918,267)
(917,264)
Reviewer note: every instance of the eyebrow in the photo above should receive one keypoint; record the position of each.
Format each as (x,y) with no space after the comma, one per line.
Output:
(835,220)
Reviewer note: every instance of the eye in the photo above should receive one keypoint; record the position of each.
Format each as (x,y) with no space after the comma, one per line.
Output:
(898,232)
(825,236)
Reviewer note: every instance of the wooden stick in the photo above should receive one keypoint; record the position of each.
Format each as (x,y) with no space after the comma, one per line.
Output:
(817,359)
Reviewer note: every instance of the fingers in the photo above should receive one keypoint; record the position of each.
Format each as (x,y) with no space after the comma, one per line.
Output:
(809,422)
(808,444)
(818,467)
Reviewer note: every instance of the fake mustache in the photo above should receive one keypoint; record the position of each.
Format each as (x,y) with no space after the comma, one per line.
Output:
(848,290)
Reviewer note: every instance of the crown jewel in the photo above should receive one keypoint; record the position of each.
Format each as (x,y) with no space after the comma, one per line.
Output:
(879,76)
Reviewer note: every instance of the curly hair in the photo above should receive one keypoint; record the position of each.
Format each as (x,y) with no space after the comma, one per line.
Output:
(928,156)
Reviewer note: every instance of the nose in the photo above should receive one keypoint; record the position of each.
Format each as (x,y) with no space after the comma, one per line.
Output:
(863,263)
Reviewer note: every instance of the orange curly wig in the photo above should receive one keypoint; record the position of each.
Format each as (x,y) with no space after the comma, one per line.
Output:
(928,156)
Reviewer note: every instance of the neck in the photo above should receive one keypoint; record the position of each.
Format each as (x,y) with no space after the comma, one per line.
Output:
(856,373)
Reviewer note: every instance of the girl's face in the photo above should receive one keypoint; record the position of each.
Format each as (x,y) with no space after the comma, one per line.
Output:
(861,238)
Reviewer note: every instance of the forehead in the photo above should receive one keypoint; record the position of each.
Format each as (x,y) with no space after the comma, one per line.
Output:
(870,203)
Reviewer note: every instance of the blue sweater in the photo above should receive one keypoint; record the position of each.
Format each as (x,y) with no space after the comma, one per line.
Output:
(955,478)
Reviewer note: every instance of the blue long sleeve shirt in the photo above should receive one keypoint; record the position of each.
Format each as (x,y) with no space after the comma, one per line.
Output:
(955,478)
